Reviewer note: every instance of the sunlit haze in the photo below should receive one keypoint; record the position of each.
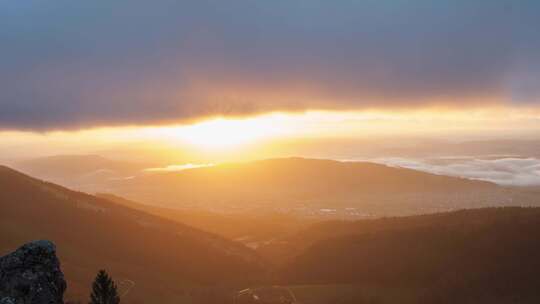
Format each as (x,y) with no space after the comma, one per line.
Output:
(247,136)
(269,151)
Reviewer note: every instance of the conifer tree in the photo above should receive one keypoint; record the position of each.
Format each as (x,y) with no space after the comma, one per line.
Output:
(104,290)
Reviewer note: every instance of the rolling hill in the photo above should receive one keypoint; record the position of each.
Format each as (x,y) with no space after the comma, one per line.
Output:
(308,188)
(252,230)
(470,256)
(163,258)
(314,188)
(87,173)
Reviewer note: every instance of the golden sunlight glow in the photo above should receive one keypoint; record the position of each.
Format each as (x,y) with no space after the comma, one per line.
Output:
(225,133)
(243,136)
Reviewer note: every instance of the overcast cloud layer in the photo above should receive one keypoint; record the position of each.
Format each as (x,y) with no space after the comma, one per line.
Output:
(71,64)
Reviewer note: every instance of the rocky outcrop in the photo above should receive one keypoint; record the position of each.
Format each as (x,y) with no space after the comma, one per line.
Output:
(32,275)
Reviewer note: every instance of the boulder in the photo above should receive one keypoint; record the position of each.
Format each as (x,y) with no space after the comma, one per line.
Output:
(32,275)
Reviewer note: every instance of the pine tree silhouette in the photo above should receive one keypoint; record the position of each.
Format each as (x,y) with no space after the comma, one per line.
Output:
(104,290)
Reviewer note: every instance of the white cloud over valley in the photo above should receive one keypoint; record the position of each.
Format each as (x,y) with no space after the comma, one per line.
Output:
(503,170)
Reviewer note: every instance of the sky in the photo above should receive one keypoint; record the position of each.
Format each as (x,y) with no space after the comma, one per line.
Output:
(219,73)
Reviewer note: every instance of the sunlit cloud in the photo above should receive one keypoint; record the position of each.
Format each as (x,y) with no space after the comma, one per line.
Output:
(503,170)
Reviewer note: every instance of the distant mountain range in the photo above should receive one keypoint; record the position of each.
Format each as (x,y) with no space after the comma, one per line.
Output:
(162,257)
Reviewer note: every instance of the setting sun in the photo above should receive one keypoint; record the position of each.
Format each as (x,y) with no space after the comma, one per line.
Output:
(226,133)
(220,138)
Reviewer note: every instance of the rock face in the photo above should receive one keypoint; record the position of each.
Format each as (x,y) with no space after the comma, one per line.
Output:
(32,275)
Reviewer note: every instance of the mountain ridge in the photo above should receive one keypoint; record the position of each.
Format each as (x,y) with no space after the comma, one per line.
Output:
(94,233)
(311,186)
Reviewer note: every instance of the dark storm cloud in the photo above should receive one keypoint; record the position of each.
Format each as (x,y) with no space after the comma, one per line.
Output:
(70,64)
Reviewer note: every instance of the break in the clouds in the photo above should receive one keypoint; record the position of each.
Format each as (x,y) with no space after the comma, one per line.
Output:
(70,64)
(503,170)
